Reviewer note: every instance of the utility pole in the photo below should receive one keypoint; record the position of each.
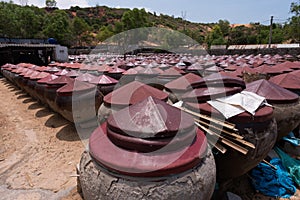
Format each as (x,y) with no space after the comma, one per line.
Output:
(183,16)
(271,29)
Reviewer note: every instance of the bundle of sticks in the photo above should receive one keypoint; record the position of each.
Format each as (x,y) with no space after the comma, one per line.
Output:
(220,133)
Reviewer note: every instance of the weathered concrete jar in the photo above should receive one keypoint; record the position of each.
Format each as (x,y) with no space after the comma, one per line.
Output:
(51,88)
(286,104)
(40,87)
(78,101)
(32,82)
(149,150)
(260,130)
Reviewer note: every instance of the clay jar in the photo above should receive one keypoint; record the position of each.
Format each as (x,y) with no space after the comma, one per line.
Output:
(286,104)
(78,101)
(148,148)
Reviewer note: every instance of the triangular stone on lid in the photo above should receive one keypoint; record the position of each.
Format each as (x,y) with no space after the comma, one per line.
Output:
(103,80)
(271,91)
(75,86)
(61,80)
(183,82)
(86,77)
(62,72)
(150,118)
(47,78)
(73,73)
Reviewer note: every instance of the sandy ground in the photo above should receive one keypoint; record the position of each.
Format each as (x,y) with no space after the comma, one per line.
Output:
(39,151)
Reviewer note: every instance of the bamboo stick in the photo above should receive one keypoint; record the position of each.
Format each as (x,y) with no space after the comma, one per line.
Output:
(224,140)
(270,164)
(225,124)
(218,146)
(220,129)
(235,137)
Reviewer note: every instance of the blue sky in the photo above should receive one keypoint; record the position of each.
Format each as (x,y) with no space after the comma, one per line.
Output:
(236,11)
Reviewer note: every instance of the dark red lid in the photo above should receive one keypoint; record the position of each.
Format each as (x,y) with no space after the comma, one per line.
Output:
(265,69)
(62,72)
(272,92)
(86,77)
(28,73)
(214,69)
(73,74)
(153,164)
(183,82)
(116,70)
(47,79)
(132,93)
(77,86)
(103,80)
(202,95)
(172,72)
(42,68)
(53,69)
(218,79)
(288,81)
(150,118)
(131,71)
(296,73)
(61,80)
(148,71)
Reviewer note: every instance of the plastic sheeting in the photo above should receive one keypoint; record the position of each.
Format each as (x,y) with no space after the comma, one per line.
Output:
(271,182)
(292,165)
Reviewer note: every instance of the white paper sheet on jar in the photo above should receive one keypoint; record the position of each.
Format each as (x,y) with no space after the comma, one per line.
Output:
(249,101)
(226,109)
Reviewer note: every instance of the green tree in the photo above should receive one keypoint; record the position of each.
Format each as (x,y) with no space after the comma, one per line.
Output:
(81,30)
(8,19)
(224,26)
(104,33)
(57,25)
(294,25)
(134,19)
(240,35)
(215,37)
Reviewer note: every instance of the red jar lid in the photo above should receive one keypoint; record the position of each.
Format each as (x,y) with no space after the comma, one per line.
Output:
(77,86)
(272,92)
(183,82)
(86,77)
(202,95)
(132,93)
(104,80)
(61,80)
(218,79)
(153,164)
(288,81)
(47,79)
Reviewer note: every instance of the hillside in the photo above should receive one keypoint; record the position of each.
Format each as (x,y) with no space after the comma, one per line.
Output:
(88,26)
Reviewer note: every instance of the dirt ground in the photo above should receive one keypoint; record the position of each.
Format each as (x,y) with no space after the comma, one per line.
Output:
(39,151)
